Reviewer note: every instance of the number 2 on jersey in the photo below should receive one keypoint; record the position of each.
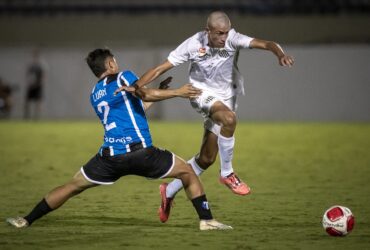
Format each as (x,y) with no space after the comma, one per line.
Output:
(101,105)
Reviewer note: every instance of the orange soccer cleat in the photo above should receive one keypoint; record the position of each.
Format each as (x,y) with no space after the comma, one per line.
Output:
(233,182)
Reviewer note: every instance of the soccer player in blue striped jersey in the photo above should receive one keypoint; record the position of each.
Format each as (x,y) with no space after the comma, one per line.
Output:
(122,115)
(127,148)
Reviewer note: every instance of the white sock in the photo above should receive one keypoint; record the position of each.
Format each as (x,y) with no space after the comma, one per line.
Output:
(226,150)
(176,185)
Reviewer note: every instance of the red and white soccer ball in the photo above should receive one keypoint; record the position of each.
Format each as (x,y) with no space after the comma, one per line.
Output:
(338,221)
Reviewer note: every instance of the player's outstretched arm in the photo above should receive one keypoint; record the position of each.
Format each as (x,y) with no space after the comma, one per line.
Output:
(155,95)
(148,77)
(162,85)
(284,60)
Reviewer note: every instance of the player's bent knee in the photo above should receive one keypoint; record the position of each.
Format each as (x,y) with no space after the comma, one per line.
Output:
(187,177)
(180,168)
(229,119)
(78,187)
(185,169)
(79,183)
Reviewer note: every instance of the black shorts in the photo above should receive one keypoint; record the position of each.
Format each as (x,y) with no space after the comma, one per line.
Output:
(34,92)
(150,162)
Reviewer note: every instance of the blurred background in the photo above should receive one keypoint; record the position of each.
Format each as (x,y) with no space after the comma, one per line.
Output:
(43,44)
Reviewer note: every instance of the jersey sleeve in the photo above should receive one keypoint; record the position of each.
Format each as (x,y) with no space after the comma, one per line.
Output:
(129,77)
(181,54)
(240,41)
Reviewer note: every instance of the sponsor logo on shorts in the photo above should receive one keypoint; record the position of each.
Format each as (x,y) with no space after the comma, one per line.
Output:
(209,99)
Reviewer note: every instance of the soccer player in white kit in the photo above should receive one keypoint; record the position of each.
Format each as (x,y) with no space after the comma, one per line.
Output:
(213,55)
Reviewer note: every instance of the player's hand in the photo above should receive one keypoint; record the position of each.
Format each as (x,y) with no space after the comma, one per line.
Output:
(165,83)
(188,91)
(129,89)
(162,85)
(286,60)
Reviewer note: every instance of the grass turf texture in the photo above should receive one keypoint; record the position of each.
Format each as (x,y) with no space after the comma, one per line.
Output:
(296,171)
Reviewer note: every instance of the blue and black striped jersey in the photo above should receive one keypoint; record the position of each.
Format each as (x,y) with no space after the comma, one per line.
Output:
(122,115)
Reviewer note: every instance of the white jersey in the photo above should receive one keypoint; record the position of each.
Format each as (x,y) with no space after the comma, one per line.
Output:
(213,69)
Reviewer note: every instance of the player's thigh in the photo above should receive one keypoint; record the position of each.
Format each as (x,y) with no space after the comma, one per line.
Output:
(180,167)
(220,113)
(80,182)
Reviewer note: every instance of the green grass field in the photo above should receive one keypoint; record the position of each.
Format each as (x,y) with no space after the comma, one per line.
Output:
(296,171)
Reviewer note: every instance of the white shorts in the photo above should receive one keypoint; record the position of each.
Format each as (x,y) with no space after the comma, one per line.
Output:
(203,104)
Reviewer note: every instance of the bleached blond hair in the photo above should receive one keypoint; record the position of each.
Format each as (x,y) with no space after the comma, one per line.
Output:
(217,18)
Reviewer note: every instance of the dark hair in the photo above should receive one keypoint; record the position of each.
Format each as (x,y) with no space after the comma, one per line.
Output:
(96,60)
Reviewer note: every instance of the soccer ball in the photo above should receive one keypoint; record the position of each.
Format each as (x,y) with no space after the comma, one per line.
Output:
(338,221)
